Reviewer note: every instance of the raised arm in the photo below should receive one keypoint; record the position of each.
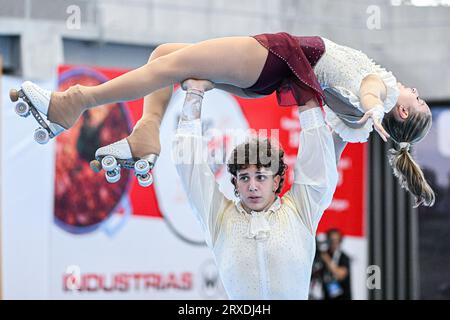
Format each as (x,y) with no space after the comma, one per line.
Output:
(190,156)
(339,146)
(315,172)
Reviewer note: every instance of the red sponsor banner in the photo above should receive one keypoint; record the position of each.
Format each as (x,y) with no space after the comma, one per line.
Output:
(346,212)
(126,282)
(84,199)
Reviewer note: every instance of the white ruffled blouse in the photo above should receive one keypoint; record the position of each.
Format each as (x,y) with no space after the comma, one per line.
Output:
(343,69)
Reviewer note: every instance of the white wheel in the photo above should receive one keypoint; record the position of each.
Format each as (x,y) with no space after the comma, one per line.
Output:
(41,136)
(109,163)
(112,176)
(22,109)
(145,180)
(141,167)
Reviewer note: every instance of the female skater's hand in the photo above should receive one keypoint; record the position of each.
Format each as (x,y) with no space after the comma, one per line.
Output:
(376,114)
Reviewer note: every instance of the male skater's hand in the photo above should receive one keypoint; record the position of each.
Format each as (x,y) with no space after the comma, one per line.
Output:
(200,85)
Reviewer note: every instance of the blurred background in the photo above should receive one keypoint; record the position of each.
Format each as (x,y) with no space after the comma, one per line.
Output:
(67,234)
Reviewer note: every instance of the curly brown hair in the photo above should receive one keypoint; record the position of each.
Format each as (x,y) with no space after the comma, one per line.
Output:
(262,152)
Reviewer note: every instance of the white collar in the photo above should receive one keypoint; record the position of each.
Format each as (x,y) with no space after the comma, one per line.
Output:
(276,205)
(259,228)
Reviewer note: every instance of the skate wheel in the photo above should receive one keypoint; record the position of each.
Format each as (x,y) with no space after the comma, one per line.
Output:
(41,136)
(112,176)
(22,109)
(14,95)
(145,180)
(96,166)
(109,163)
(141,167)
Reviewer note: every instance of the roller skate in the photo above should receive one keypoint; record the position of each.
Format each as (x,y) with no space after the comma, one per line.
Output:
(35,101)
(117,156)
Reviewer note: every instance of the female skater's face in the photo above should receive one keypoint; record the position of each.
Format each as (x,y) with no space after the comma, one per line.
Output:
(257,187)
(409,101)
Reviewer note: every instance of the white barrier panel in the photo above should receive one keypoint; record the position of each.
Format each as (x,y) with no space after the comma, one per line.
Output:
(27,202)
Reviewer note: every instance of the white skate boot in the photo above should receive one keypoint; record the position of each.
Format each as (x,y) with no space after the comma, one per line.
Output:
(114,157)
(36,102)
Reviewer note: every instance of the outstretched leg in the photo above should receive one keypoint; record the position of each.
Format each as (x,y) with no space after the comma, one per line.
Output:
(237,61)
(144,139)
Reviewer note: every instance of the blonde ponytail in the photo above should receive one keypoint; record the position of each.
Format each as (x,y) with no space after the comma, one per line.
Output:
(410,176)
(406,133)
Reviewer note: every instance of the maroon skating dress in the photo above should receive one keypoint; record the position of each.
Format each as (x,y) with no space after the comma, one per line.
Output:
(289,68)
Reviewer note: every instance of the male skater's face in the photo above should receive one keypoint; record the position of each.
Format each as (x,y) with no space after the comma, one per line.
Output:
(256,187)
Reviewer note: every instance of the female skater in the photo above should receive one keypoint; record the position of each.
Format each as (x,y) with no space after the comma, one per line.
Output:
(301,70)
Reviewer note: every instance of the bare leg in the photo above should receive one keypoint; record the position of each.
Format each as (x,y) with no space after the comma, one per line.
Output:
(237,61)
(141,140)
(144,139)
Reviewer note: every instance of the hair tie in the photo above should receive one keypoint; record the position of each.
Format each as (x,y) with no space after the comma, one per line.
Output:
(405,145)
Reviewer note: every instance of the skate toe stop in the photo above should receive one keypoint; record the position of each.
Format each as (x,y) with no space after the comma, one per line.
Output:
(14,95)
(96,166)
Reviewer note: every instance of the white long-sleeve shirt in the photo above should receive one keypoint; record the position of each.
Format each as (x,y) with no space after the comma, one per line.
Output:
(264,255)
